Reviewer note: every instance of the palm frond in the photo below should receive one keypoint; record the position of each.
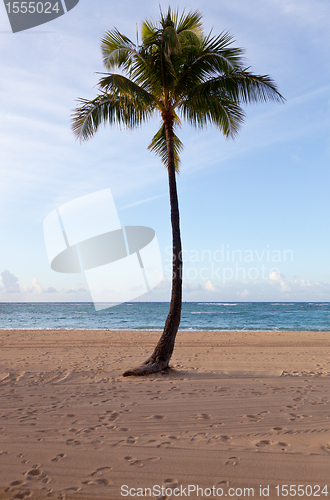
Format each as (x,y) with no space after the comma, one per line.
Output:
(206,58)
(105,108)
(201,110)
(191,22)
(169,19)
(119,84)
(118,50)
(149,32)
(242,86)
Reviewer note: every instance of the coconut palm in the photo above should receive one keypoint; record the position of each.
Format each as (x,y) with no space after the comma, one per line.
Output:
(176,72)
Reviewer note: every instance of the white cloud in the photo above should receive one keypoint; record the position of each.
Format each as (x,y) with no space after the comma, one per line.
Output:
(280,278)
(36,288)
(10,282)
(78,289)
(191,288)
(209,286)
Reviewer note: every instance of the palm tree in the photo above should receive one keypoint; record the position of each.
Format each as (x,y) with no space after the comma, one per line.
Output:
(175,71)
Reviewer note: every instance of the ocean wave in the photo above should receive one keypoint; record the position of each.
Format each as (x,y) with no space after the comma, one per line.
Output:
(204,312)
(216,304)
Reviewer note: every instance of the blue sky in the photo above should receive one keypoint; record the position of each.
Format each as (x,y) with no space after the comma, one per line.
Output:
(254,210)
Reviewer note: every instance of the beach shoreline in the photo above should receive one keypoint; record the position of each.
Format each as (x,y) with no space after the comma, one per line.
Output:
(238,409)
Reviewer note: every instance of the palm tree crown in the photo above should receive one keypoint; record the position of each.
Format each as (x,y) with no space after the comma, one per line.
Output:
(178,73)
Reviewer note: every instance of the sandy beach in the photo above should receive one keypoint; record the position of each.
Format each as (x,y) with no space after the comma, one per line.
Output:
(239,411)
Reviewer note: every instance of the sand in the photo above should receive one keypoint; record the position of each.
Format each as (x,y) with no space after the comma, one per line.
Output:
(240,410)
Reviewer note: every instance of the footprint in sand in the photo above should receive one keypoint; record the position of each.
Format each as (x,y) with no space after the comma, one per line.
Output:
(59,457)
(131,439)
(95,482)
(252,418)
(99,472)
(157,417)
(202,416)
(23,494)
(170,483)
(294,416)
(256,418)
(37,474)
(34,472)
(59,496)
(113,416)
(140,463)
(326,448)
(118,443)
(263,443)
(164,444)
(72,441)
(200,436)
(224,439)
(232,461)
(17,483)
(223,484)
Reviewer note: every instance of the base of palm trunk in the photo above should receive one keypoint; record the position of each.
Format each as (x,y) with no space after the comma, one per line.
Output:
(152,365)
(163,351)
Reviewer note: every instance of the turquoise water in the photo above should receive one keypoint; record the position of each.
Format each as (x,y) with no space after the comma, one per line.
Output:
(265,316)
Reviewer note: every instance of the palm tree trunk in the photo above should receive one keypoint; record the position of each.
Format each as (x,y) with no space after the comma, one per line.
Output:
(161,356)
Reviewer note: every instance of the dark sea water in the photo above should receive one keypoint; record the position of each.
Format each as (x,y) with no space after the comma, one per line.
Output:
(263,316)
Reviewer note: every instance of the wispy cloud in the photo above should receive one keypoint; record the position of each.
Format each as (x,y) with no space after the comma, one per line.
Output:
(306,13)
(146,200)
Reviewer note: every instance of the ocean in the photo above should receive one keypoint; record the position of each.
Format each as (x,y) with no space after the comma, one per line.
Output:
(259,316)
